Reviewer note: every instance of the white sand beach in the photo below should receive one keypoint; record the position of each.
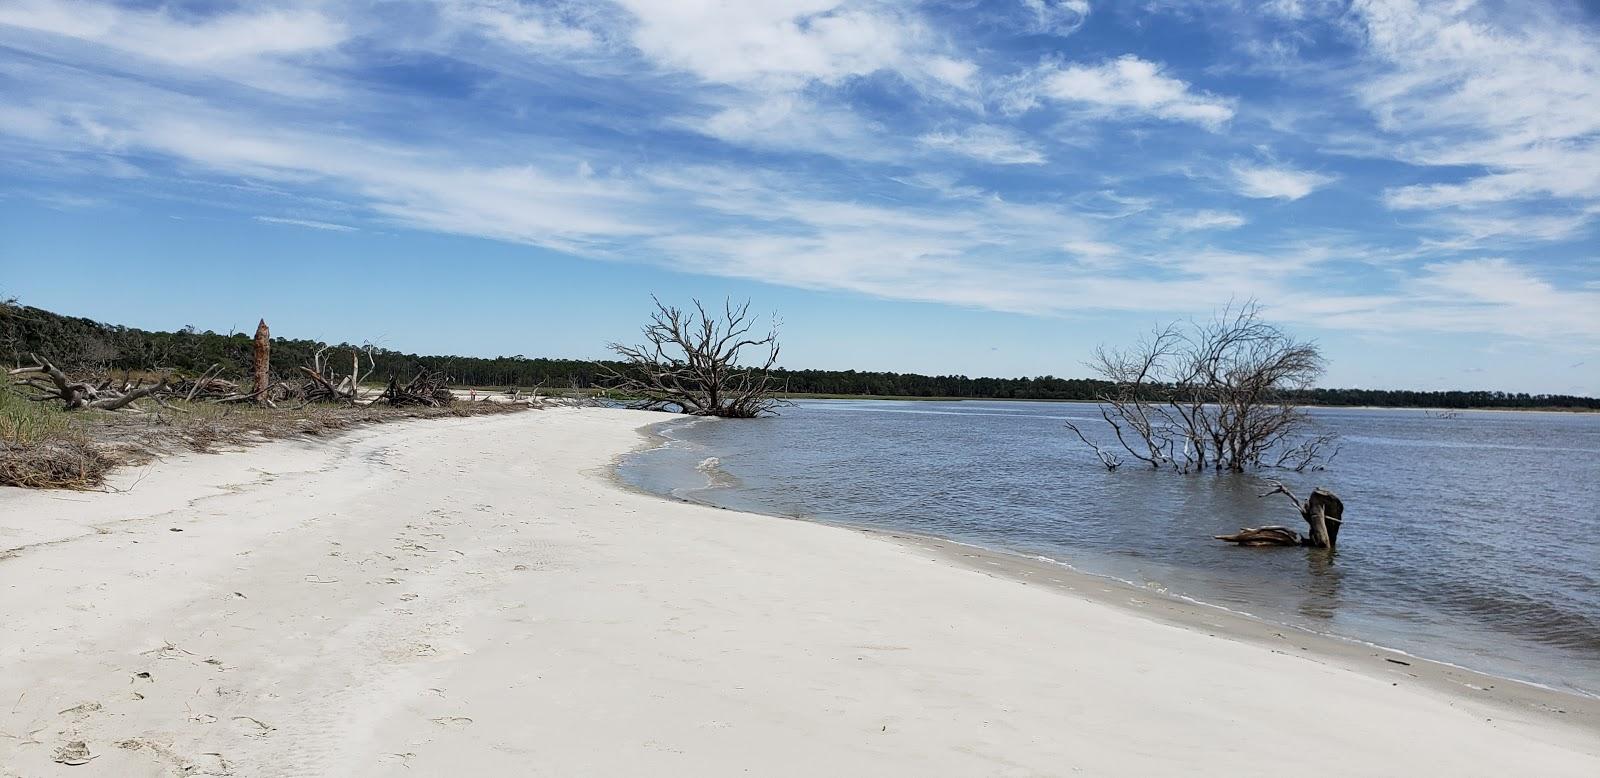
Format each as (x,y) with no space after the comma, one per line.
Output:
(480,597)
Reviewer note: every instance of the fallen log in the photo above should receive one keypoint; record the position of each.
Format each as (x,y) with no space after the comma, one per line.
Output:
(78,395)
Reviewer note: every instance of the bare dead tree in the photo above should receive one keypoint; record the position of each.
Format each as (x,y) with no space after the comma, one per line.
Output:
(1214,395)
(1323,513)
(690,362)
(1107,457)
(79,395)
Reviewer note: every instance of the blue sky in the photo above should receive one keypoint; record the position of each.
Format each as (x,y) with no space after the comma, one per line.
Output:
(971,186)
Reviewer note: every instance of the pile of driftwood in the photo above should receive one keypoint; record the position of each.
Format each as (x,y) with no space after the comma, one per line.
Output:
(76,395)
(206,386)
(322,384)
(425,389)
(1323,513)
(318,382)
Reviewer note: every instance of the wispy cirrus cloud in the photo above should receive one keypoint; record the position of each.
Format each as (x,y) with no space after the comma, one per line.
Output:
(311,224)
(1514,100)
(1276,181)
(1125,86)
(257,48)
(987,143)
(1206,219)
(857,146)
(1056,17)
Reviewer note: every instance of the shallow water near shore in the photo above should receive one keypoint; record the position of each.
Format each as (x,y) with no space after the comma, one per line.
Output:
(1468,540)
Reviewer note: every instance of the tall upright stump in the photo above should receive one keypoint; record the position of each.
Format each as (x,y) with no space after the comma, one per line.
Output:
(263,362)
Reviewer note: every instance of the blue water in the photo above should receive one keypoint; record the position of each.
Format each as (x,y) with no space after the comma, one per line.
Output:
(1473,540)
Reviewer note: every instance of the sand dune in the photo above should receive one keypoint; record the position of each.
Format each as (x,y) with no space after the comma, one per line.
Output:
(478,597)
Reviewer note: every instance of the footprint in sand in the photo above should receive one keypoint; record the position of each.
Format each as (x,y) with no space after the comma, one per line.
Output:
(249,726)
(82,711)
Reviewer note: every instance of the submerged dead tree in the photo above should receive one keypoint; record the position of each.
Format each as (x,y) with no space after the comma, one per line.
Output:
(690,362)
(1323,513)
(1211,395)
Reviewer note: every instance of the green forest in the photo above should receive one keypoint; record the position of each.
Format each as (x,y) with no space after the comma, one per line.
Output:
(83,344)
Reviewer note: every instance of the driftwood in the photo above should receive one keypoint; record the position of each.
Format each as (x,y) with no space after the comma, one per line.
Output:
(426,388)
(323,384)
(207,386)
(1323,513)
(78,395)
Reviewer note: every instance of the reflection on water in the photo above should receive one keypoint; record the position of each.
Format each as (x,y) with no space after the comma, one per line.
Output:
(1467,540)
(1322,590)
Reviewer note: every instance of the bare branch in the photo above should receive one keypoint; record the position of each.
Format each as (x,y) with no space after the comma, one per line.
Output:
(1214,395)
(692,361)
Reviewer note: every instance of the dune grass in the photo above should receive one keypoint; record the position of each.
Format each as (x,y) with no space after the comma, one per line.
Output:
(45,447)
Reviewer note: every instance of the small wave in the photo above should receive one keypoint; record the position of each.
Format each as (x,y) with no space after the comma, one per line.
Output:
(716,477)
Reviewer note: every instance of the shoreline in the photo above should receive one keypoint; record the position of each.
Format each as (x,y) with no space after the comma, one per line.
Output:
(1505,693)
(479,596)
(1425,408)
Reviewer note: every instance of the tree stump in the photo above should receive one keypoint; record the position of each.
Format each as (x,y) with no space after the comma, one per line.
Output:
(263,362)
(1323,513)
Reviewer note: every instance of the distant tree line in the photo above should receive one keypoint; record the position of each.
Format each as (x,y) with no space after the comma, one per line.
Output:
(79,343)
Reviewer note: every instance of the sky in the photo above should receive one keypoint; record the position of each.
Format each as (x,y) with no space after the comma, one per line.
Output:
(979,187)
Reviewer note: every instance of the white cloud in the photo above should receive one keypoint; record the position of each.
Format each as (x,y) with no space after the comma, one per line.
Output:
(788,121)
(769,79)
(542,28)
(1516,95)
(782,64)
(1056,17)
(1206,219)
(1094,254)
(786,44)
(1516,298)
(1270,181)
(308,223)
(989,143)
(1126,86)
(1090,248)
(254,47)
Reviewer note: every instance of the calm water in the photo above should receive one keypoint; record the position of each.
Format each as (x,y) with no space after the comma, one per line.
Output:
(1473,540)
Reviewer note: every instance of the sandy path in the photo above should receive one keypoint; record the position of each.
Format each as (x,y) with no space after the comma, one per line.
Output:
(475,597)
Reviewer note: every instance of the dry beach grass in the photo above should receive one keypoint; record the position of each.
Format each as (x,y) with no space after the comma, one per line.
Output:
(44,447)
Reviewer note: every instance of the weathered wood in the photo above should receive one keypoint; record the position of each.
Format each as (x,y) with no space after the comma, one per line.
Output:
(1263,536)
(429,389)
(1324,510)
(77,395)
(263,362)
(1323,513)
